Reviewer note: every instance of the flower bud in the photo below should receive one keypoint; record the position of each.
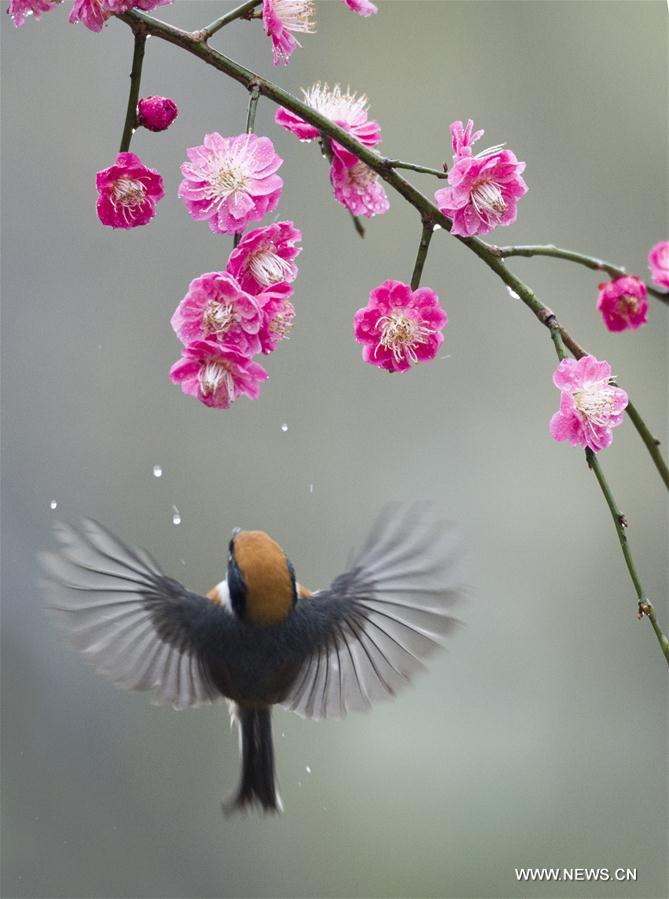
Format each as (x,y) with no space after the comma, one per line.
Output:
(156,113)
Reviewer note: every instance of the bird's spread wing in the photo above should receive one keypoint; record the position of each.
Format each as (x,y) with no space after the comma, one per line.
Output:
(139,627)
(372,628)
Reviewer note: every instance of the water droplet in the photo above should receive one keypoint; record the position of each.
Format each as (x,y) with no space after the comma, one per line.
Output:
(311,488)
(284,427)
(53,504)
(183,561)
(157,471)
(176,517)
(307,769)
(437,228)
(512,293)
(283,733)
(299,783)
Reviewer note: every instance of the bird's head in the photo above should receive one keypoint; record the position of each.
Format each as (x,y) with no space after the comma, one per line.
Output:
(261,580)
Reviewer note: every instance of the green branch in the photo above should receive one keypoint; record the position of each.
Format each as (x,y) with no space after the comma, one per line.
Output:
(411,166)
(245,11)
(645,607)
(592,262)
(133,96)
(492,256)
(652,443)
(423,247)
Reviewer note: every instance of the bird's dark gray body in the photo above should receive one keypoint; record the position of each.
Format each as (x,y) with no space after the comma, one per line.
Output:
(338,650)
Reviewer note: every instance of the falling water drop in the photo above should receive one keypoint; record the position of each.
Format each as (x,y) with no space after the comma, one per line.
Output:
(311,488)
(284,427)
(512,293)
(307,769)
(157,471)
(53,504)
(176,517)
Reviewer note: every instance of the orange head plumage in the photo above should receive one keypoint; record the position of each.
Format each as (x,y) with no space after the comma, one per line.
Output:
(261,579)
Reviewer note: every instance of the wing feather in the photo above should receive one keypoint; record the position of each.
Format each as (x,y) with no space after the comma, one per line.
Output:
(373,628)
(140,628)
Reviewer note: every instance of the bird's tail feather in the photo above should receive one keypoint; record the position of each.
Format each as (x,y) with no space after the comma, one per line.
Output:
(257,786)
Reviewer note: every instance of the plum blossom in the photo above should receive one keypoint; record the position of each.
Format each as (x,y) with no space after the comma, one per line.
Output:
(623,303)
(156,113)
(400,326)
(215,308)
(282,17)
(264,257)
(590,405)
(94,13)
(347,110)
(362,7)
(128,192)
(484,189)
(278,314)
(658,263)
(217,374)
(20,10)
(358,188)
(231,181)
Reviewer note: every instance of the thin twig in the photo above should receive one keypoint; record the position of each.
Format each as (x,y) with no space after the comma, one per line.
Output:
(250,125)
(645,606)
(240,12)
(423,247)
(592,262)
(652,443)
(411,166)
(133,96)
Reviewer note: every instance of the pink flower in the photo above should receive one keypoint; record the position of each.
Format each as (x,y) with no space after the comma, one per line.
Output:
(399,326)
(590,406)
(217,374)
(264,257)
(658,263)
(215,308)
(278,315)
(346,110)
(362,7)
(128,192)
(358,188)
(91,13)
(231,181)
(19,10)
(280,18)
(623,303)
(156,113)
(484,189)
(94,13)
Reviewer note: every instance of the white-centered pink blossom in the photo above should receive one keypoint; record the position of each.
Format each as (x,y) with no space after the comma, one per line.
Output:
(265,257)
(217,374)
(358,188)
(483,190)
(399,326)
(216,308)
(590,405)
(283,17)
(623,303)
(346,109)
(128,192)
(231,181)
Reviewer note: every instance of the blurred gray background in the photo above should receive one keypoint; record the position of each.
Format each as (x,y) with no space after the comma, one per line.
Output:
(541,737)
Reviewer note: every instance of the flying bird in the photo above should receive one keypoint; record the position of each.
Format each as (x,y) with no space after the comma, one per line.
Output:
(259,638)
